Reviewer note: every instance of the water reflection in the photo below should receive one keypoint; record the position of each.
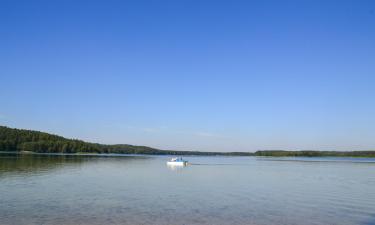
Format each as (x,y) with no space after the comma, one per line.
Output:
(93,190)
(14,164)
(23,164)
(176,167)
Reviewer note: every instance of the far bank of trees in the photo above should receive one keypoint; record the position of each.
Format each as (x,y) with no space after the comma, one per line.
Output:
(34,141)
(281,153)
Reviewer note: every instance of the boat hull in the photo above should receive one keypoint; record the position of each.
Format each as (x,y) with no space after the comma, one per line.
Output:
(176,163)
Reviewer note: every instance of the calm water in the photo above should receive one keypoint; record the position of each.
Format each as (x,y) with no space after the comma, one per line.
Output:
(36,189)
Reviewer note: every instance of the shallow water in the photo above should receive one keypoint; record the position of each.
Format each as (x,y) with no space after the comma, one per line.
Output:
(42,189)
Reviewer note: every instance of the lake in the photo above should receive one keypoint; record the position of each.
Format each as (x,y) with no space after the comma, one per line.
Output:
(70,189)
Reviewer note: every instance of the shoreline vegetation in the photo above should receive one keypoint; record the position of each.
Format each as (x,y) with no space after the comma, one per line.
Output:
(29,141)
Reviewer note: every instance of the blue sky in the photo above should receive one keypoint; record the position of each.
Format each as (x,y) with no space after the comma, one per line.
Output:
(192,75)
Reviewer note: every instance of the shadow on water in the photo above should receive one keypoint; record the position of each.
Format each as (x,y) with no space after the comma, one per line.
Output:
(18,164)
(23,164)
(370,222)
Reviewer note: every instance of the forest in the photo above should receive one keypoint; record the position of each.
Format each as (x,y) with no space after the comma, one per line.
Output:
(20,140)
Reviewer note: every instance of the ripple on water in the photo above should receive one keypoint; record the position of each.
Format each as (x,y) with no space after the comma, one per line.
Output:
(222,190)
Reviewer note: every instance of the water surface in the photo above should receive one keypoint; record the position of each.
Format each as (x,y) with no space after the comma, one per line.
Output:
(64,190)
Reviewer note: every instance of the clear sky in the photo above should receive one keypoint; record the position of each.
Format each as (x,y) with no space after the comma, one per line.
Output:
(192,75)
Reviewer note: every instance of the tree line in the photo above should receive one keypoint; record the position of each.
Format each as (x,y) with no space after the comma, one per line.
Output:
(281,153)
(18,140)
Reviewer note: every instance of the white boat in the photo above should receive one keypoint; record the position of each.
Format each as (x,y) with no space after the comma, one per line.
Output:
(177,162)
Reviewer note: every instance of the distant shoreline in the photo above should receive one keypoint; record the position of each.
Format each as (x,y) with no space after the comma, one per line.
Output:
(122,154)
(203,155)
(29,141)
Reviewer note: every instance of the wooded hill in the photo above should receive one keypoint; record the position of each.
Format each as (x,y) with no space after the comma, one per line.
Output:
(17,140)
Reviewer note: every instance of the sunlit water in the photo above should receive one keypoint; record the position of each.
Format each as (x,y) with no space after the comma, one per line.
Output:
(54,190)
